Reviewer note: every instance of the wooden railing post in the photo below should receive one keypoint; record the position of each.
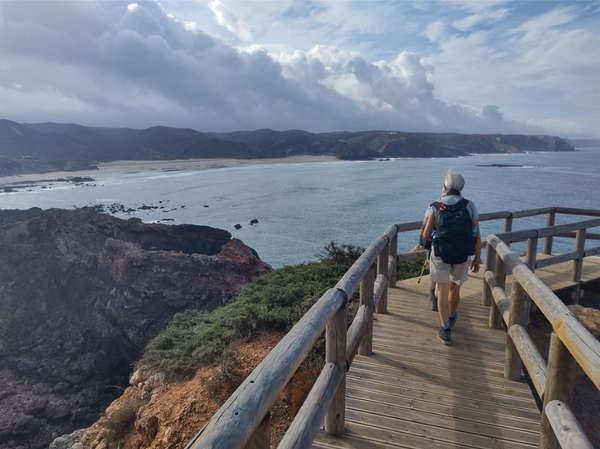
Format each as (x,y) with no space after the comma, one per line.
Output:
(367,290)
(531,255)
(382,268)
(490,260)
(548,241)
(508,221)
(394,253)
(519,314)
(578,263)
(495,320)
(261,439)
(335,352)
(559,385)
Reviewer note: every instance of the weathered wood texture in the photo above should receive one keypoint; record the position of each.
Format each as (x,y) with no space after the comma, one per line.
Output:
(518,314)
(560,379)
(532,359)
(262,436)
(569,433)
(415,392)
(558,277)
(233,425)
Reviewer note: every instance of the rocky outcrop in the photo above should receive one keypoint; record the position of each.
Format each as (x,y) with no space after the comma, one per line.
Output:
(81,295)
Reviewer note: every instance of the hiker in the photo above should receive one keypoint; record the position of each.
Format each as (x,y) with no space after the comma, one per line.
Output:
(453,226)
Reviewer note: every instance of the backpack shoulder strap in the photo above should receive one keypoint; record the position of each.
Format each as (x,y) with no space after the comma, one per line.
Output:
(462,203)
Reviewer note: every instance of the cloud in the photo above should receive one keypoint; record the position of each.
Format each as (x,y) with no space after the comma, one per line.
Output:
(234,25)
(436,30)
(473,20)
(138,64)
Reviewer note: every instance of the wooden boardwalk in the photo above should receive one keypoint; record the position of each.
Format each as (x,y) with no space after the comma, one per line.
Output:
(414,392)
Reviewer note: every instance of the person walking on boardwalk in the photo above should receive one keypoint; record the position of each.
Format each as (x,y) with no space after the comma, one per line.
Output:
(453,226)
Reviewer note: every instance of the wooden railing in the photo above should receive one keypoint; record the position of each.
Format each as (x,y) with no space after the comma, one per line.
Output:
(570,342)
(244,420)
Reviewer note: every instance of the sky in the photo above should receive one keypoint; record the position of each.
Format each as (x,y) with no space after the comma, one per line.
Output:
(485,66)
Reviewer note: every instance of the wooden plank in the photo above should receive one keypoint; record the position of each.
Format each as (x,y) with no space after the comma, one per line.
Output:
(413,421)
(414,392)
(485,404)
(442,384)
(405,406)
(441,431)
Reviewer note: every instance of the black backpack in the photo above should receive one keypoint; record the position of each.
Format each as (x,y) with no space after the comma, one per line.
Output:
(454,242)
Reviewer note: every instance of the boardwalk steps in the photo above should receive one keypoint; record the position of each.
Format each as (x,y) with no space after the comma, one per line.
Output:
(414,392)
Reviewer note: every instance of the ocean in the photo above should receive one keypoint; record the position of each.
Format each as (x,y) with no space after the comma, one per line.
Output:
(302,207)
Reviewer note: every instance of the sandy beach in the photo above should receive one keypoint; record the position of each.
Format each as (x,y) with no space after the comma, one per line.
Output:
(142,166)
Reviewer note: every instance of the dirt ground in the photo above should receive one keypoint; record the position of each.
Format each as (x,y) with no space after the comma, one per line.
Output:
(586,397)
(171,412)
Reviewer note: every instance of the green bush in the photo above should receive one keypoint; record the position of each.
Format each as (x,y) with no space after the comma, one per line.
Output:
(274,301)
(119,421)
(229,376)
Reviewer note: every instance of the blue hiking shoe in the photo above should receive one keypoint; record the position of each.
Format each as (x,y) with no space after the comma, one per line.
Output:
(444,336)
(453,319)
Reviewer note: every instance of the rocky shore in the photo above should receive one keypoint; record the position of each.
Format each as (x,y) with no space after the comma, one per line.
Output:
(81,295)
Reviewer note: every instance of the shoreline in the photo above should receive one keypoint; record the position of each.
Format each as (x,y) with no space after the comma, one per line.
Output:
(117,167)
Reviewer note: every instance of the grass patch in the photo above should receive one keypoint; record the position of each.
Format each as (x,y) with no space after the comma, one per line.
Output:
(274,301)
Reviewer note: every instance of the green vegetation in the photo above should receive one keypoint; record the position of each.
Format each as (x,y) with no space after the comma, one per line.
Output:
(118,423)
(275,301)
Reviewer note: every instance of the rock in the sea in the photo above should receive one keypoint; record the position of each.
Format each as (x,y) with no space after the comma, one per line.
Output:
(81,295)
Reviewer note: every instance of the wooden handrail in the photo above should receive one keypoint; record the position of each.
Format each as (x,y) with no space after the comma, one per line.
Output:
(243,419)
(521,236)
(571,342)
(584,347)
(234,423)
(566,427)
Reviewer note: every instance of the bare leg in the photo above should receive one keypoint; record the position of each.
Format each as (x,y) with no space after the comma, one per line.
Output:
(454,297)
(441,290)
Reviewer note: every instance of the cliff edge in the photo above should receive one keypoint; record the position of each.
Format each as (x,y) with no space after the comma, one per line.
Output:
(81,295)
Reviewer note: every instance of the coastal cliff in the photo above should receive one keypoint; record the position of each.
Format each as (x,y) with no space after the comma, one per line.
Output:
(81,295)
(29,148)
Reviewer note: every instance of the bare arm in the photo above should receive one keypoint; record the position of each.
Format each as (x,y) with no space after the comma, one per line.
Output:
(428,230)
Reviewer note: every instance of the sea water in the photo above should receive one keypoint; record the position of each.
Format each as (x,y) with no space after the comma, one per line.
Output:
(302,207)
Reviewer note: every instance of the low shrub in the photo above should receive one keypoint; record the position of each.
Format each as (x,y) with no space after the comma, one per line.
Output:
(223,382)
(120,420)
(274,301)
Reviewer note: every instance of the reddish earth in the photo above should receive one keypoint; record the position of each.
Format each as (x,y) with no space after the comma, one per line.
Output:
(170,412)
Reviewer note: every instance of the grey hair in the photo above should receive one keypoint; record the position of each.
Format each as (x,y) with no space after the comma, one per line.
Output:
(453,181)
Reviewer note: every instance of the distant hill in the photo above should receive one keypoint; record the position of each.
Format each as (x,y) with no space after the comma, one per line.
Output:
(37,142)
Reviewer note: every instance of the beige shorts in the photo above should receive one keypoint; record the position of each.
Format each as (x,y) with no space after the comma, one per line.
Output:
(439,271)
